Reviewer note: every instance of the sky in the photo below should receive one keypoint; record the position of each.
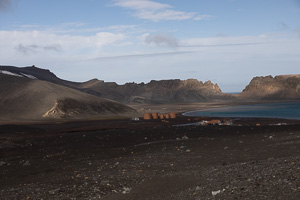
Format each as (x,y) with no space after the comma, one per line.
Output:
(226,41)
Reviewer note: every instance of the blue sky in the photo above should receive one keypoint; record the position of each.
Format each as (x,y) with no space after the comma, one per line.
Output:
(225,41)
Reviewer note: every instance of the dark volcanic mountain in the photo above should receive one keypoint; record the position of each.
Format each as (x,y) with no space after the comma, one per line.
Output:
(25,98)
(283,87)
(165,91)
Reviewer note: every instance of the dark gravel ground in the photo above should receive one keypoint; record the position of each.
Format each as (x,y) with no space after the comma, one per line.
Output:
(122,159)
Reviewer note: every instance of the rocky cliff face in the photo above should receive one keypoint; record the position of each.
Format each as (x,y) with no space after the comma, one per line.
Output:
(164,91)
(283,87)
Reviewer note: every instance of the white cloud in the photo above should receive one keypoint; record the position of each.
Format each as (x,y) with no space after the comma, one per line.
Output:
(153,11)
(54,51)
(74,24)
(143,55)
(226,41)
(122,28)
(157,16)
(141,4)
(201,17)
(36,39)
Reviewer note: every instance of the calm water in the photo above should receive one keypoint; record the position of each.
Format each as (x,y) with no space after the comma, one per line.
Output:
(271,110)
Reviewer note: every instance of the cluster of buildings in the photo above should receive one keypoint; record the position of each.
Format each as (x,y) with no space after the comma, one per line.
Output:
(213,122)
(148,116)
(172,115)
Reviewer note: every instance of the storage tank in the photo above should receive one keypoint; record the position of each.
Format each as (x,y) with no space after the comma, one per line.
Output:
(167,116)
(147,116)
(161,116)
(154,116)
(173,115)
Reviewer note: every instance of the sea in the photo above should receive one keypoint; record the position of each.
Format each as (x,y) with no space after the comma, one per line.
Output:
(287,110)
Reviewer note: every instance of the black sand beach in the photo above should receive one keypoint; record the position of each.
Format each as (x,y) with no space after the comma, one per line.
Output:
(124,159)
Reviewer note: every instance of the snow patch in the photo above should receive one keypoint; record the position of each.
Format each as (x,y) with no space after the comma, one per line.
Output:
(10,73)
(29,76)
(18,75)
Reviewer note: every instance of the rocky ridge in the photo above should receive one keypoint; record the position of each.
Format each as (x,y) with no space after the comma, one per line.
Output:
(163,91)
(282,87)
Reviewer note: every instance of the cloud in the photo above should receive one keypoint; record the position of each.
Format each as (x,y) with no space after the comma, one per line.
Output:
(226,41)
(74,24)
(225,45)
(53,47)
(27,49)
(201,17)
(157,16)
(145,55)
(162,40)
(41,43)
(122,28)
(154,11)
(5,4)
(141,4)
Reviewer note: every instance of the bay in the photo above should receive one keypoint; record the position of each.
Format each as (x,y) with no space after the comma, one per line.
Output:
(289,110)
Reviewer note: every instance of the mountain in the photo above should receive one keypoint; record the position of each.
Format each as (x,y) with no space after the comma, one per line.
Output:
(282,87)
(34,72)
(154,92)
(28,98)
(164,91)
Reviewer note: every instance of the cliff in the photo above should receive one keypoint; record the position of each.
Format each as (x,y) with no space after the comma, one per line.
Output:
(164,91)
(283,87)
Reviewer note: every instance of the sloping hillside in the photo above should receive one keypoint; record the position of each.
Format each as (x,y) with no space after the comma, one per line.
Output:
(24,98)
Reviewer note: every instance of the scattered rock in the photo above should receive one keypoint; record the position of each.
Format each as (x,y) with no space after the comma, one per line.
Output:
(2,163)
(185,137)
(217,192)
(52,192)
(126,190)
(27,163)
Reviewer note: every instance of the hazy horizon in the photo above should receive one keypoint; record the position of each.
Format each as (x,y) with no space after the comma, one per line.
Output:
(225,41)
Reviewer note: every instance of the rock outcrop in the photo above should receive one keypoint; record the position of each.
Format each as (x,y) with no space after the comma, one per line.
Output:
(283,87)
